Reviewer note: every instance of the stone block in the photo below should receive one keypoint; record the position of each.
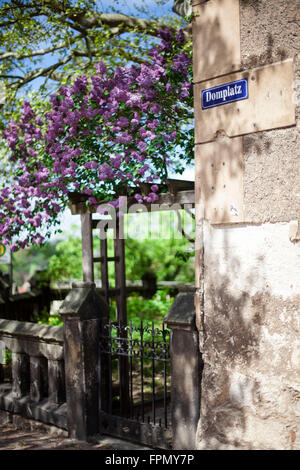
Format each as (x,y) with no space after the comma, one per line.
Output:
(219,180)
(216,38)
(270,103)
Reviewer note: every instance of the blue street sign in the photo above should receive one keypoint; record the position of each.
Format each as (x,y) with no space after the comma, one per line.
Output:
(223,94)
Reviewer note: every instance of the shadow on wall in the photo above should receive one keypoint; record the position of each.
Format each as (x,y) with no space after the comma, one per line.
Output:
(241,320)
(219,159)
(231,346)
(229,338)
(251,351)
(271,53)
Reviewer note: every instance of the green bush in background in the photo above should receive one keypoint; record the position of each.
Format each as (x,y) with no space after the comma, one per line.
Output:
(170,259)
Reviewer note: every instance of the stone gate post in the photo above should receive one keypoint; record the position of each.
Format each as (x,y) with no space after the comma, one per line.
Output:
(186,369)
(82,312)
(246,74)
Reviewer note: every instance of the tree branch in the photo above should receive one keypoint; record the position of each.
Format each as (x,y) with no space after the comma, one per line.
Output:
(41,72)
(119,23)
(10,76)
(122,23)
(96,53)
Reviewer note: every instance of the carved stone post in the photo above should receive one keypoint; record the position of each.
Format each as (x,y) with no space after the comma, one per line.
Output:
(2,352)
(38,378)
(20,374)
(56,380)
(82,311)
(186,371)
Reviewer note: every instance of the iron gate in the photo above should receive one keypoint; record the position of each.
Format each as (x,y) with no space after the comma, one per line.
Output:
(135,383)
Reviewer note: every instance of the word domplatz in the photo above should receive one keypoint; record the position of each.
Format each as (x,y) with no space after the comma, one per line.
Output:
(227,93)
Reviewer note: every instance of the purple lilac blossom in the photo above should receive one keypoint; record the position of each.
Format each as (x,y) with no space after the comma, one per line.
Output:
(123,110)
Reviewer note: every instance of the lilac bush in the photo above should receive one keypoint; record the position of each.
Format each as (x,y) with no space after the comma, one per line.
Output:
(104,136)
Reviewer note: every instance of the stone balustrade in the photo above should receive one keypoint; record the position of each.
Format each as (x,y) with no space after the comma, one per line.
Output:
(37,388)
(58,377)
(55,370)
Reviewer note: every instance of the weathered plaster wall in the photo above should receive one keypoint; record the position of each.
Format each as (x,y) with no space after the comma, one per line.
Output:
(251,353)
(248,298)
(270,33)
(272,175)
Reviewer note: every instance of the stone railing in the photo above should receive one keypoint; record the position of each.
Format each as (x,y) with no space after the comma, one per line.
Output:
(37,387)
(59,379)
(55,375)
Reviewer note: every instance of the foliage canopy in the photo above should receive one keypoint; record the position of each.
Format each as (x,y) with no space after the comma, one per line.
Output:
(102,134)
(48,42)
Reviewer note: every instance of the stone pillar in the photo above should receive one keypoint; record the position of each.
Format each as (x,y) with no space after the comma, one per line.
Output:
(38,378)
(82,311)
(186,370)
(20,374)
(2,351)
(56,381)
(247,118)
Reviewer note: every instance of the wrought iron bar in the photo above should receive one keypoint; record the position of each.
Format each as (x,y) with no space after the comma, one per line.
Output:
(102,259)
(144,347)
(123,369)
(110,368)
(142,372)
(164,333)
(153,374)
(104,266)
(130,369)
(121,316)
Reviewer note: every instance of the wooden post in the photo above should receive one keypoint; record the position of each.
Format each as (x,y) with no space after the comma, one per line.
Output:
(120,274)
(104,265)
(104,365)
(87,247)
(120,277)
